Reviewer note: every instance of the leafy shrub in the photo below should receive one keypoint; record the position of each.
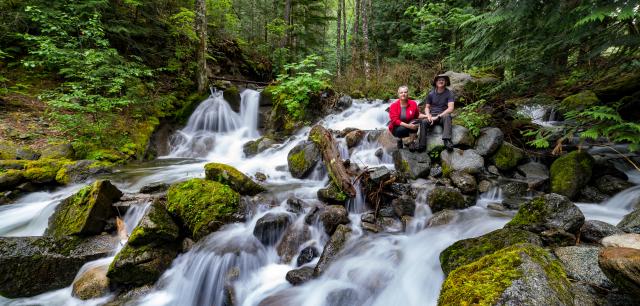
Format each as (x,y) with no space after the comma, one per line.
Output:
(472,117)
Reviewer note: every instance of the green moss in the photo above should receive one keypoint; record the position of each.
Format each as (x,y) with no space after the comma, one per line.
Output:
(297,161)
(12,164)
(532,212)
(507,156)
(156,227)
(579,101)
(42,171)
(106,155)
(203,206)
(7,150)
(446,170)
(228,175)
(571,172)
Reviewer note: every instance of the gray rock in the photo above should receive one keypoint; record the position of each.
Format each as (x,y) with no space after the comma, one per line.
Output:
(404,206)
(379,153)
(368,217)
(590,194)
(513,193)
(434,138)
(442,217)
(154,188)
(332,195)
(611,185)
(460,136)
(294,236)
(458,81)
(332,249)
(379,174)
(436,171)
(465,181)
(621,265)
(136,266)
(344,102)
(463,160)
(594,230)
(82,170)
(33,265)
(333,216)
(270,227)
(445,198)
(631,222)
(551,211)
(27,154)
(484,186)
(581,264)
(414,164)
(10,179)
(372,227)
(299,276)
(302,159)
(296,205)
(489,141)
(493,170)
(155,227)
(307,255)
(535,174)
(91,284)
(353,138)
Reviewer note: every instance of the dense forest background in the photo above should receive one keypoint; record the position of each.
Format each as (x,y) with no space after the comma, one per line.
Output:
(104,73)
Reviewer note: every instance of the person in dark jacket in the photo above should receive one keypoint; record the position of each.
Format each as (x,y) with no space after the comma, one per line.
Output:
(405,116)
(439,105)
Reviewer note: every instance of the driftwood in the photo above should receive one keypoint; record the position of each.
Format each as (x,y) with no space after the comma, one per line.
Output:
(239,81)
(323,140)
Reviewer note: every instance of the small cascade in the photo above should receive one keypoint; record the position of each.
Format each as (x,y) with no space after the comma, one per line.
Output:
(249,105)
(540,114)
(494,195)
(628,199)
(356,205)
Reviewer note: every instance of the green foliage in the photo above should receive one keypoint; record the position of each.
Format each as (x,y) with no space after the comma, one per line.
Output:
(473,118)
(605,121)
(294,91)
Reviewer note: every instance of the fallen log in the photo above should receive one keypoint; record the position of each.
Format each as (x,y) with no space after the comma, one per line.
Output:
(323,140)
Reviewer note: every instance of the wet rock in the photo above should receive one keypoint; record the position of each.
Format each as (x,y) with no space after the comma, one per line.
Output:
(302,159)
(299,276)
(434,139)
(594,230)
(344,102)
(81,171)
(293,237)
(228,175)
(580,100)
(186,245)
(465,181)
(270,227)
(611,185)
(26,154)
(295,205)
(260,177)
(484,186)
(493,170)
(622,267)
(332,249)
(631,241)
(414,164)
(86,212)
(466,251)
(404,206)
(203,206)
(368,217)
(154,188)
(590,194)
(129,200)
(461,137)
(513,193)
(570,173)
(253,147)
(468,161)
(489,141)
(155,227)
(92,284)
(379,153)
(58,151)
(535,174)
(136,266)
(507,156)
(603,166)
(581,264)
(379,175)
(353,138)
(555,237)
(34,265)
(551,211)
(523,274)
(442,217)
(496,207)
(128,296)
(631,222)
(445,198)
(313,216)
(10,179)
(332,216)
(342,297)
(307,255)
(435,171)
(332,195)
(372,227)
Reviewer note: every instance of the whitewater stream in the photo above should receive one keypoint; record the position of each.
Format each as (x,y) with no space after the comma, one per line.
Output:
(399,268)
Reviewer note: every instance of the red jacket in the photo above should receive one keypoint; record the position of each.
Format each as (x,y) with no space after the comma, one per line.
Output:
(394,113)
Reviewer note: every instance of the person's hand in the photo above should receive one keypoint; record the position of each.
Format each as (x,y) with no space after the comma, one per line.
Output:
(429,118)
(413,126)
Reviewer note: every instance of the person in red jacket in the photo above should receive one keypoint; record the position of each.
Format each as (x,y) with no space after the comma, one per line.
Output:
(405,120)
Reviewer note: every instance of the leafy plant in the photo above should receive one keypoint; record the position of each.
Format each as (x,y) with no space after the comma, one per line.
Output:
(472,117)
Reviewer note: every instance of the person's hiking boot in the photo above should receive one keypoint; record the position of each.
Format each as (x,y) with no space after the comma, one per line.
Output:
(400,144)
(412,147)
(448,144)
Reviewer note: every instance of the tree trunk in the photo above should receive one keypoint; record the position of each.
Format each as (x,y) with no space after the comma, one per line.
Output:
(201,50)
(287,22)
(338,40)
(365,38)
(331,157)
(355,40)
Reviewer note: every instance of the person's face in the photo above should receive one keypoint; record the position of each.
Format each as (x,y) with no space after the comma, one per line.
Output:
(403,94)
(441,82)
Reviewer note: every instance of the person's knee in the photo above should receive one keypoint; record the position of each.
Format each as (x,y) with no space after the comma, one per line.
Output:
(446,117)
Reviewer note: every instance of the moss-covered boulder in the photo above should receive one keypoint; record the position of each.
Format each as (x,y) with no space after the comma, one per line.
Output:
(333,248)
(253,147)
(446,198)
(203,206)
(34,265)
(58,151)
(10,179)
(523,274)
(412,164)
(579,101)
(302,159)
(86,212)
(7,150)
(43,171)
(12,164)
(332,195)
(570,173)
(82,170)
(156,226)
(135,266)
(507,157)
(228,175)
(466,251)
(548,212)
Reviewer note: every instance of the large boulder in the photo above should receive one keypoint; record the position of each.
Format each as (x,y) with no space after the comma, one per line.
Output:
(10,179)
(571,172)
(548,212)
(58,151)
(333,216)
(253,147)
(270,227)
(468,161)
(156,226)
(465,181)
(43,171)
(622,266)
(630,223)
(299,276)
(302,159)
(594,230)
(507,156)
(434,138)
(523,274)
(332,195)
(458,81)
(86,212)
(353,138)
(228,175)
(91,284)
(136,266)
(489,141)
(446,198)
(292,239)
(332,249)
(413,164)
(203,206)
(581,264)
(34,265)
(466,251)
(461,136)
(579,101)
(611,185)
(82,170)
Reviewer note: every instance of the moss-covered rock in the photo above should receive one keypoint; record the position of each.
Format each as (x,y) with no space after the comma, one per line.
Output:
(253,147)
(155,227)
(86,212)
(7,150)
(135,266)
(232,95)
(10,179)
(58,151)
(445,198)
(43,171)
(570,173)
(82,170)
(466,251)
(333,248)
(507,157)
(548,212)
(34,265)
(228,175)
(12,164)
(523,274)
(579,101)
(302,159)
(202,206)
(332,195)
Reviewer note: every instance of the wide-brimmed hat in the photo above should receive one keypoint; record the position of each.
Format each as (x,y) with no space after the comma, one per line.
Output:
(444,76)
